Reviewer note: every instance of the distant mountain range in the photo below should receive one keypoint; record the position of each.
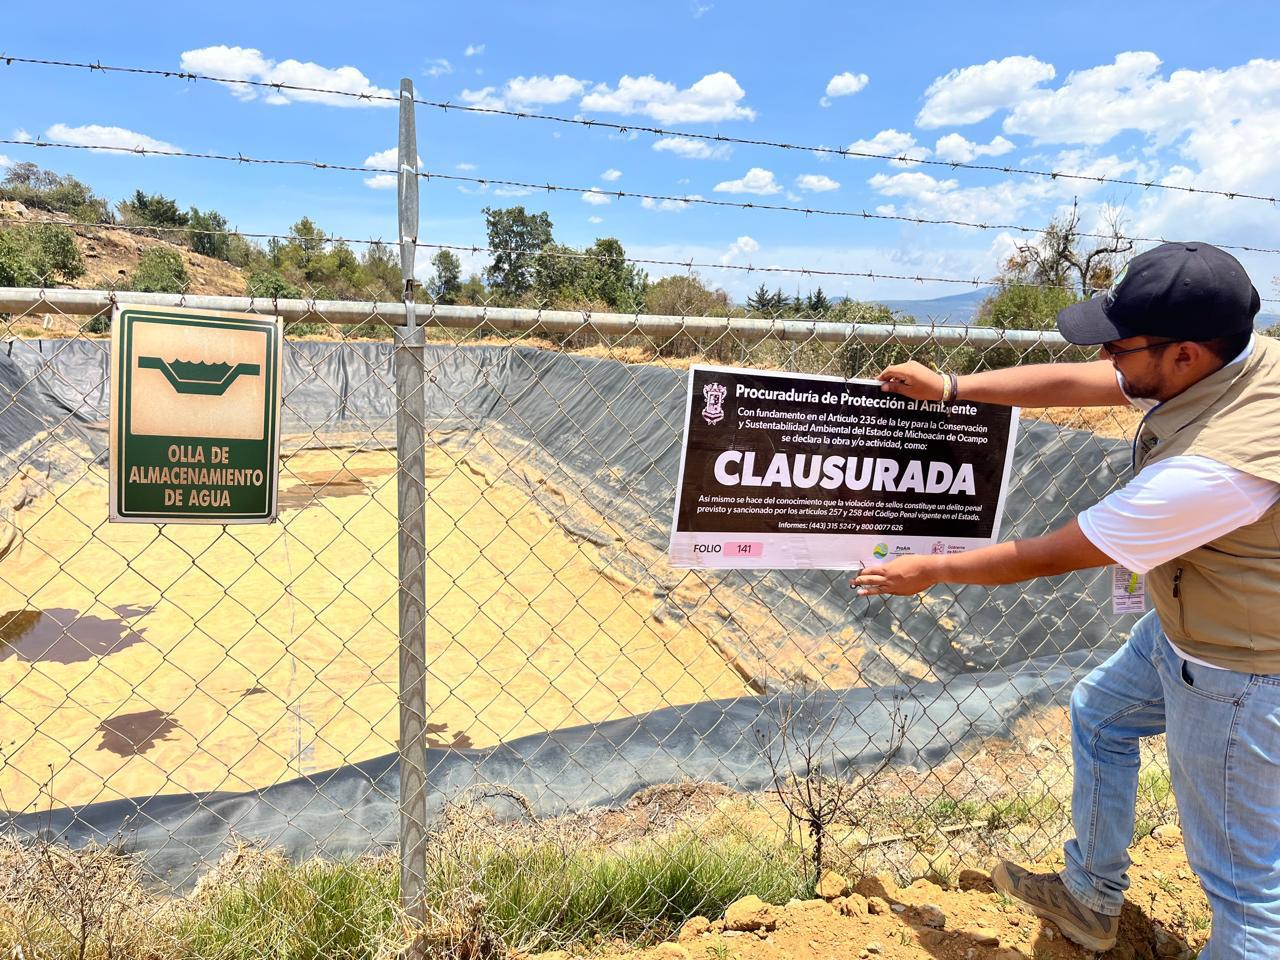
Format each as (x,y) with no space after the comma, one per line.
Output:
(961,309)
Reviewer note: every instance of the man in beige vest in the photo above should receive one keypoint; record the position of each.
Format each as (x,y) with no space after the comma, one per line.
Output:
(1201,518)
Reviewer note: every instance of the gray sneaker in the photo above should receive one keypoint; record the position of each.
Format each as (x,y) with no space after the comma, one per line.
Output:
(1047,897)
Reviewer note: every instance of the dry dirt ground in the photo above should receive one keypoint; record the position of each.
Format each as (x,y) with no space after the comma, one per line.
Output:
(1166,916)
(925,891)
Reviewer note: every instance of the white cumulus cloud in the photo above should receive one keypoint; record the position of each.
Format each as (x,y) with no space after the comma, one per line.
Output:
(740,246)
(611,174)
(757,180)
(534,90)
(594,219)
(248,63)
(892,143)
(668,206)
(1032,200)
(485,98)
(1216,128)
(438,67)
(5,161)
(520,93)
(596,197)
(954,147)
(1096,104)
(913,185)
(92,134)
(816,183)
(974,93)
(473,50)
(714,98)
(464,166)
(384,158)
(692,149)
(843,85)
(926,196)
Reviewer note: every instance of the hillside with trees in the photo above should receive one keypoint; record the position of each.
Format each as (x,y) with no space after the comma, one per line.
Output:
(57,231)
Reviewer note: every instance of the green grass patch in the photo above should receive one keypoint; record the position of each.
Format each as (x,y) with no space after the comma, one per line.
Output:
(997,814)
(1025,810)
(485,893)
(1143,827)
(1155,787)
(538,894)
(308,911)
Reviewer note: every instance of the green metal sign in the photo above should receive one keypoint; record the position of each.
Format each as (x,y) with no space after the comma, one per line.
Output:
(195,416)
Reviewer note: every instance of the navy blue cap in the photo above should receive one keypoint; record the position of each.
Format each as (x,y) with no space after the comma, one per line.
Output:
(1183,291)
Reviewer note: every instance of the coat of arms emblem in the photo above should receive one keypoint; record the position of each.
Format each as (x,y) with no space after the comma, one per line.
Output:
(713,395)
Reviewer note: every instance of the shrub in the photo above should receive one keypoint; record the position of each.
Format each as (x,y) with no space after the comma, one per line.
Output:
(38,254)
(160,270)
(206,233)
(269,283)
(60,193)
(151,210)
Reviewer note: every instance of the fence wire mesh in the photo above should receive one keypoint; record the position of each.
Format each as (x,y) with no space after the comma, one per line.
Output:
(615,745)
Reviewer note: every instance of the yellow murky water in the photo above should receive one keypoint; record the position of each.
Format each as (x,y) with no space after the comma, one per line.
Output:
(139,660)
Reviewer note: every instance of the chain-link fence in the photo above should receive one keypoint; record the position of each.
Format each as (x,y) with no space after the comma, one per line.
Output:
(613,745)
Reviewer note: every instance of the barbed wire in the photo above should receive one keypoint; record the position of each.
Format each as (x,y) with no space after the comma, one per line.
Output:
(531,186)
(820,149)
(560,254)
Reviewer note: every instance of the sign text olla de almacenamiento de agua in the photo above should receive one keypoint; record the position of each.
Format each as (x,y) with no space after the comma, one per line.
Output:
(195,416)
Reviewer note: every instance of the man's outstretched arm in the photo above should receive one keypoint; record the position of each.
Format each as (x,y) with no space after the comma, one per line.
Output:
(1061,551)
(1090,384)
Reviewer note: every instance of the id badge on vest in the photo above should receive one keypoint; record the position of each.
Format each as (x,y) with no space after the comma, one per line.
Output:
(1128,591)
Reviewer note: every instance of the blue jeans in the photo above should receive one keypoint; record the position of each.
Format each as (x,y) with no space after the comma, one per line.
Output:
(1223,740)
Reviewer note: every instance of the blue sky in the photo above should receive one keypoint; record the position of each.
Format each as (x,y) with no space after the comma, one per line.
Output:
(1187,93)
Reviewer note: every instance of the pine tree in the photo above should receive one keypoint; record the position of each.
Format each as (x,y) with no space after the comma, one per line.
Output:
(758,302)
(818,303)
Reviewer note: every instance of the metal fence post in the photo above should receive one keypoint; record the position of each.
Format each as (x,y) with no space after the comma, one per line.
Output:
(411,515)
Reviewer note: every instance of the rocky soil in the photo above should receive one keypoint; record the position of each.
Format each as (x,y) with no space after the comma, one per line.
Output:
(1166,917)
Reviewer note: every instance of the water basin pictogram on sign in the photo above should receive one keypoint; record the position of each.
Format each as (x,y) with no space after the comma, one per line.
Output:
(200,378)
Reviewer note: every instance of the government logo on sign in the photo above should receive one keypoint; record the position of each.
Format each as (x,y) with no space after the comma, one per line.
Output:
(713,395)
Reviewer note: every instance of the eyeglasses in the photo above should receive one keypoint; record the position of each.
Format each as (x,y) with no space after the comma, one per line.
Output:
(1106,348)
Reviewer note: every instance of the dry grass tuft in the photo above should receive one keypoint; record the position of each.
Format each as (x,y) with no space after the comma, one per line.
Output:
(86,903)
